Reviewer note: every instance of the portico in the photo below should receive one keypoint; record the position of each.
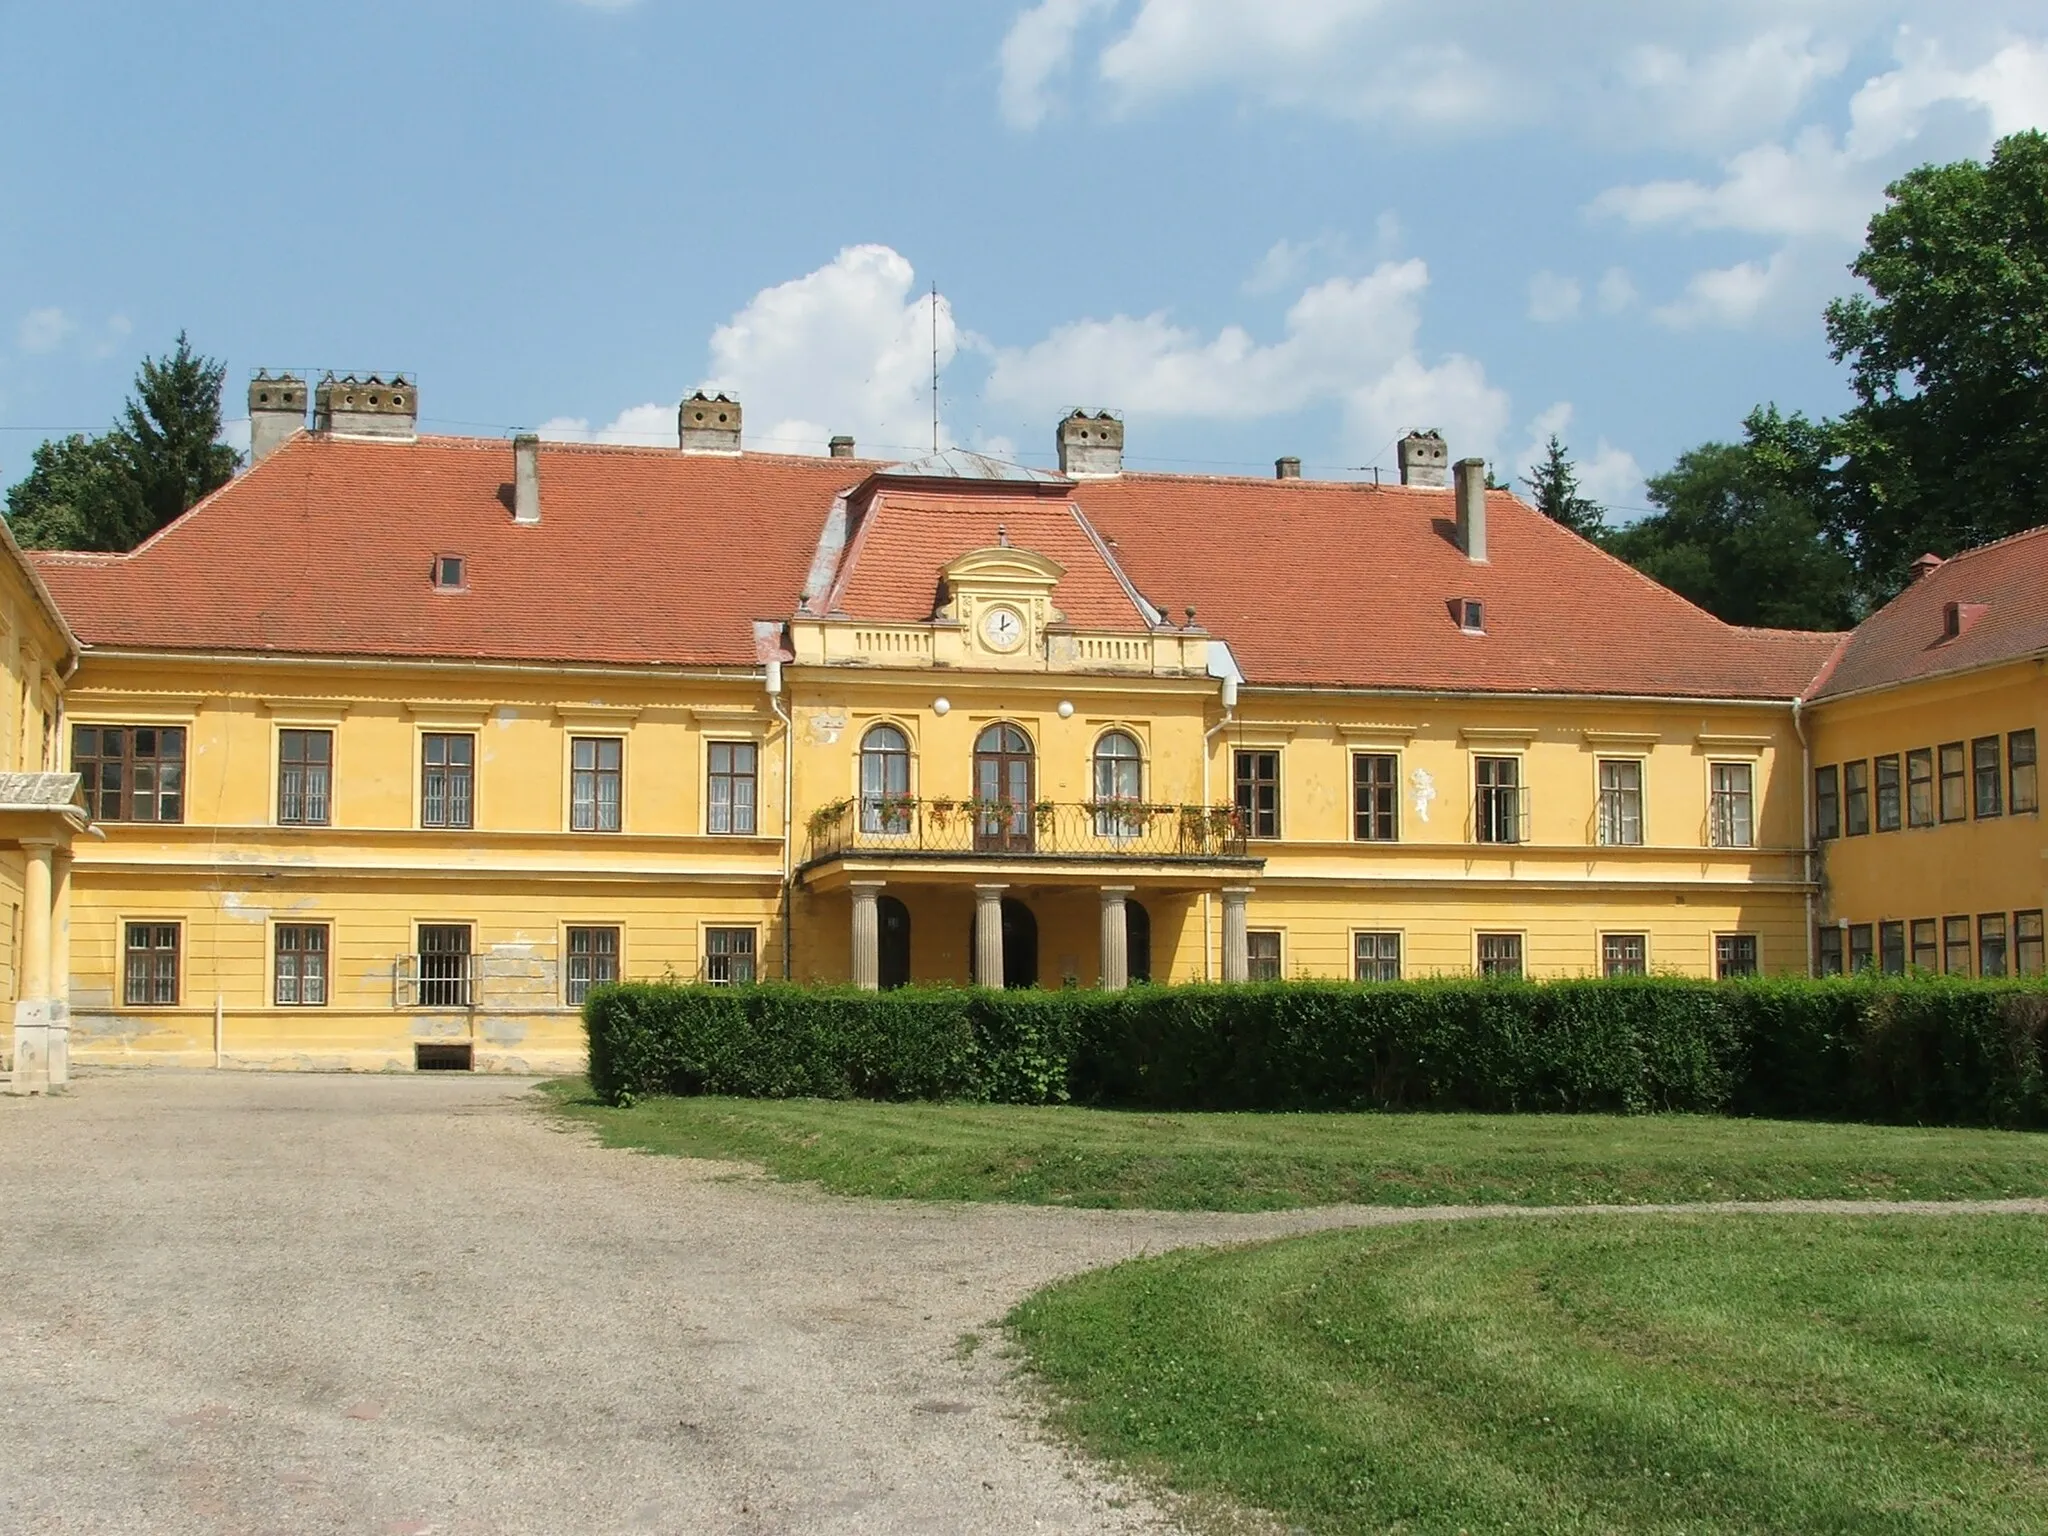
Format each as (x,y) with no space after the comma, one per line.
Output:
(38,817)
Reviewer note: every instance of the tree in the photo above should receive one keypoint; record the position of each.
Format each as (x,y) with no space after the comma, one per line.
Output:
(113,491)
(1555,488)
(1947,445)
(1737,531)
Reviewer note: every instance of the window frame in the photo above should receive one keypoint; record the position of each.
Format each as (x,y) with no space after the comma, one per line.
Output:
(1611,966)
(1512,950)
(1382,939)
(2016,803)
(1255,962)
(1987,779)
(458,992)
(1259,821)
(91,766)
(1727,944)
(1718,798)
(1488,799)
(1607,825)
(717,967)
(1891,947)
(1827,803)
(1380,820)
(1920,795)
(592,807)
(732,778)
(152,980)
(1888,799)
(324,768)
(1956,942)
(2029,943)
(1930,949)
(1994,944)
(1862,948)
(297,931)
(1830,953)
(575,988)
(879,812)
(1112,798)
(1959,777)
(449,773)
(1856,798)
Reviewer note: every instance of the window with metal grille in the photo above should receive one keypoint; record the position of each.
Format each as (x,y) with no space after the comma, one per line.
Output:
(1827,802)
(1262,954)
(1990,789)
(1731,820)
(1375,796)
(1862,947)
(728,955)
(130,772)
(305,770)
(2027,944)
(1735,955)
(1258,793)
(1955,946)
(1920,787)
(1376,956)
(1830,949)
(593,962)
(1624,954)
(301,966)
(1500,954)
(444,965)
(2025,771)
(447,781)
(1498,810)
(1856,798)
(1926,946)
(735,780)
(596,783)
(1955,782)
(1891,948)
(1991,944)
(1886,770)
(1621,803)
(151,979)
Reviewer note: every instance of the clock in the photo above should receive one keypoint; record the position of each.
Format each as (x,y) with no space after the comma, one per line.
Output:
(1003,629)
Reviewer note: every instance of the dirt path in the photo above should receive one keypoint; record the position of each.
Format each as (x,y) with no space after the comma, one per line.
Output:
(413,1305)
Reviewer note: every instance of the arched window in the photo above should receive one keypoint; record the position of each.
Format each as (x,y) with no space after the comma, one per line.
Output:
(884,780)
(1003,781)
(1119,785)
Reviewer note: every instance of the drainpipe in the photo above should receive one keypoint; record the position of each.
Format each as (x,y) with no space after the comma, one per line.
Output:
(1209,736)
(773,681)
(1806,823)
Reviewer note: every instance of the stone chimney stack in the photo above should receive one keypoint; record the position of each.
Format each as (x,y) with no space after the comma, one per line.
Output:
(1425,459)
(526,479)
(353,407)
(841,447)
(1287,469)
(708,424)
(1472,509)
(277,409)
(1091,447)
(1926,566)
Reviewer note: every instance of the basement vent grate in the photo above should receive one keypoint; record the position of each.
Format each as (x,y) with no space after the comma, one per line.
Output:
(443,1058)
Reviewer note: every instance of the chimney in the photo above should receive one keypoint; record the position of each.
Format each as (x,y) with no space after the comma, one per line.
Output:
(708,424)
(842,447)
(1091,447)
(526,479)
(353,407)
(1472,509)
(1926,566)
(277,409)
(1425,459)
(1287,469)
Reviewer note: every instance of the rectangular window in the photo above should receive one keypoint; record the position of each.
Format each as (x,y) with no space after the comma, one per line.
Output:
(1625,954)
(1375,796)
(1891,948)
(734,781)
(1856,795)
(1621,803)
(1955,946)
(728,955)
(1862,954)
(131,772)
(1258,793)
(596,782)
(1734,955)
(1731,820)
(2028,959)
(1500,954)
(152,973)
(1991,944)
(1830,948)
(593,962)
(1888,796)
(1990,789)
(1955,787)
(305,771)
(1920,787)
(447,781)
(444,965)
(1926,947)
(1827,802)
(1497,807)
(1262,954)
(1376,956)
(301,979)
(2026,773)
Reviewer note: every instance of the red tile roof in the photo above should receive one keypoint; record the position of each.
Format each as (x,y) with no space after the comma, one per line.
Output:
(2003,591)
(652,556)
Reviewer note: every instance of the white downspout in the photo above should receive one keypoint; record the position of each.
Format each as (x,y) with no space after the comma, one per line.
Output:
(1806,824)
(1208,737)
(773,682)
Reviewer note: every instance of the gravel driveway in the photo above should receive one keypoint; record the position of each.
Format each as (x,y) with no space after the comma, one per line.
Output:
(237,1302)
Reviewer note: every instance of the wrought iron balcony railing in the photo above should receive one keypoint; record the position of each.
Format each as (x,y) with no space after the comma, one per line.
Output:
(1111,829)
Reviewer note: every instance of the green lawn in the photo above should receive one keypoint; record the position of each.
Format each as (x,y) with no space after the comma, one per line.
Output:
(1679,1376)
(1243,1162)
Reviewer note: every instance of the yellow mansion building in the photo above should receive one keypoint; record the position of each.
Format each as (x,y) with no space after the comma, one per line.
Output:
(387,752)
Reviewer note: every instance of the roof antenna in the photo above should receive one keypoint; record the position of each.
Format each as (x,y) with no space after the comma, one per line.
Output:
(935,365)
(1002,536)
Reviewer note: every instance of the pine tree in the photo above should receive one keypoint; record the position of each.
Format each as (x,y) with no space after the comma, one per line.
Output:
(1554,486)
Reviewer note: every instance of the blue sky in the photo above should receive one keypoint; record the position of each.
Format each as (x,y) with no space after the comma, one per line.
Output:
(1254,227)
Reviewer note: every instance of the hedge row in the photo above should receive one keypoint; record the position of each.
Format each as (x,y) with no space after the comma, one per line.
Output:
(1923,1050)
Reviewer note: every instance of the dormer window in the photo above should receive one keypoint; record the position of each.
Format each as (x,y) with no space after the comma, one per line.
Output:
(448,573)
(1471,615)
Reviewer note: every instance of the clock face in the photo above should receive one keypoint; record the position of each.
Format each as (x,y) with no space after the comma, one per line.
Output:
(1002,628)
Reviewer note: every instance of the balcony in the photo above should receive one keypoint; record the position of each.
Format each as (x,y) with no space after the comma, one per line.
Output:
(1044,829)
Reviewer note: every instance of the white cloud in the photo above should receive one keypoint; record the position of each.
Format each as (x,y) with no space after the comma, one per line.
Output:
(1728,91)
(1617,291)
(1039,47)
(44,330)
(1553,298)
(1609,475)
(646,426)
(1728,296)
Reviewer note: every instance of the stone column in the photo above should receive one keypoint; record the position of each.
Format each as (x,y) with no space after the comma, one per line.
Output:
(1236,949)
(60,973)
(988,935)
(1116,949)
(867,936)
(32,975)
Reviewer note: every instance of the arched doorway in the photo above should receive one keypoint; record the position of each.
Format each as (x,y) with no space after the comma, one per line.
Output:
(1020,946)
(1137,941)
(1003,782)
(892,923)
